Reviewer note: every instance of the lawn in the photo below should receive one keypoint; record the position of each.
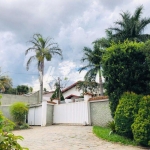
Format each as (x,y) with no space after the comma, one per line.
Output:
(104,133)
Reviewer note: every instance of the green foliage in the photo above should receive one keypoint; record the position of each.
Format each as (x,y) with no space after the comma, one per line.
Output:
(141,125)
(23,126)
(125,113)
(111,125)
(103,133)
(88,86)
(125,69)
(56,94)
(130,27)
(18,111)
(5,82)
(11,91)
(22,89)
(93,59)
(8,140)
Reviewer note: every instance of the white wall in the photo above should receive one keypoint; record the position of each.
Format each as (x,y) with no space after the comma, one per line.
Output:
(72,91)
(72,113)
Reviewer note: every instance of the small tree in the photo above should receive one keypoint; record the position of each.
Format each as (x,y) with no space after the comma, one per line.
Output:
(57,94)
(18,111)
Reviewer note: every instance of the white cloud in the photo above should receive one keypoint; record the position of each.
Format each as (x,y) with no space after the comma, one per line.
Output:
(73,24)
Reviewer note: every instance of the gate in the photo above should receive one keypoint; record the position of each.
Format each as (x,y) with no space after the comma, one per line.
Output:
(34,115)
(72,113)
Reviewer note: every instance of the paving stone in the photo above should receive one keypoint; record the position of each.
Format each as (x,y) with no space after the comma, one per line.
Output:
(66,138)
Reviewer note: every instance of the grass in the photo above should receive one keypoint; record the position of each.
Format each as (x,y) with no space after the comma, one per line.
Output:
(103,133)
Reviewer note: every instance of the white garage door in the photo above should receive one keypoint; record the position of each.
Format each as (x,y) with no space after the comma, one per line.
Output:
(34,115)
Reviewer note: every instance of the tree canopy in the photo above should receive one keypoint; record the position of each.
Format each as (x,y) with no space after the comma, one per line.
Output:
(130,27)
(125,68)
(93,60)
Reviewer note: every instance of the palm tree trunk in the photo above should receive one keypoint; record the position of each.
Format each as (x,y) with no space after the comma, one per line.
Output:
(100,83)
(41,84)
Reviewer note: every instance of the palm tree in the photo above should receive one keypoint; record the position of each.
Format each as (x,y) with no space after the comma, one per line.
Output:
(44,49)
(93,59)
(5,82)
(130,27)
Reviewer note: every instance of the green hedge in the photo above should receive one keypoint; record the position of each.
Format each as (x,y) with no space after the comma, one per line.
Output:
(125,113)
(141,125)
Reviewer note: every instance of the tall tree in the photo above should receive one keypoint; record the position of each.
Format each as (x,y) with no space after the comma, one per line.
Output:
(44,49)
(130,27)
(93,59)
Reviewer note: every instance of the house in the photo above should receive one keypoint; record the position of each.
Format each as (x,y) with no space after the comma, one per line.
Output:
(71,92)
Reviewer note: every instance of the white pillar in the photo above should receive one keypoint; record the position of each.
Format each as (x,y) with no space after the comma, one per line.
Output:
(87,97)
(44,113)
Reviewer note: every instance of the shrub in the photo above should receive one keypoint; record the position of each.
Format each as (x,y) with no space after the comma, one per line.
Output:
(125,68)
(125,113)
(111,125)
(8,141)
(141,125)
(18,111)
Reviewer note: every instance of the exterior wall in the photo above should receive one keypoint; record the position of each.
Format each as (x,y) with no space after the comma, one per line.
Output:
(71,113)
(8,99)
(100,112)
(73,91)
(5,111)
(49,116)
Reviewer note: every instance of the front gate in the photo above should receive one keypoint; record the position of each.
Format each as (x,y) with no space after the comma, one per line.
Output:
(72,113)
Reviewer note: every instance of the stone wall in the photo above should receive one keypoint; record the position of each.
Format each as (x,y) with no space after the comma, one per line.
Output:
(8,99)
(100,112)
(49,115)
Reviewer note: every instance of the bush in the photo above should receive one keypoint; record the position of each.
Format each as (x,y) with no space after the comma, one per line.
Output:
(18,111)
(125,68)
(125,113)
(111,125)
(8,141)
(141,125)
(23,126)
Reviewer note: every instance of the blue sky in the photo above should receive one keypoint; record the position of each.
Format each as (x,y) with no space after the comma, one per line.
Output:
(72,24)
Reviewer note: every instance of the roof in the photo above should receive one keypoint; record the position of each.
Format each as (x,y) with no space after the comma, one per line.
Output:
(69,87)
(98,98)
(70,96)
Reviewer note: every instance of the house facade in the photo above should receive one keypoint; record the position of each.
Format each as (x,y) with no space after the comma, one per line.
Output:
(71,91)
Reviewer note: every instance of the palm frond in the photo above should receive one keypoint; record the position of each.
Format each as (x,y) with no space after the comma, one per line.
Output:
(29,61)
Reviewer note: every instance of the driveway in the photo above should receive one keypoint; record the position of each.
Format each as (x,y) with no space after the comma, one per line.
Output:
(66,138)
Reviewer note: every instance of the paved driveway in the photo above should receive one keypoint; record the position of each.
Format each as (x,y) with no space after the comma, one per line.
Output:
(66,138)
